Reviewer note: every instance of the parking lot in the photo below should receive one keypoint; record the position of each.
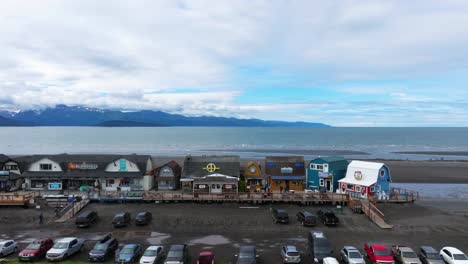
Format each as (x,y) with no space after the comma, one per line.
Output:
(222,228)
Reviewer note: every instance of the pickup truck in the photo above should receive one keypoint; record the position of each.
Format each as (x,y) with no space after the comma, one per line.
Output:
(64,248)
(378,253)
(327,217)
(405,255)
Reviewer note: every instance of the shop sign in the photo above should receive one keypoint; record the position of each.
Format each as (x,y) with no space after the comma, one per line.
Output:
(55,186)
(287,170)
(228,186)
(211,167)
(82,166)
(201,186)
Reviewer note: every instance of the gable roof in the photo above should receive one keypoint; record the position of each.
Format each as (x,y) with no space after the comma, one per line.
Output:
(329,159)
(274,165)
(3,158)
(176,169)
(369,170)
(227,164)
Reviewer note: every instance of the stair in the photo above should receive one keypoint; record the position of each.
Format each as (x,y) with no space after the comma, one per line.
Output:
(72,210)
(374,214)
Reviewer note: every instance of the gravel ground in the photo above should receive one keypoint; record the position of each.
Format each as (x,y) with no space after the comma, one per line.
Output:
(222,228)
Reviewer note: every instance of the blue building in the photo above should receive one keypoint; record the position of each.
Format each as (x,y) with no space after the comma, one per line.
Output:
(323,173)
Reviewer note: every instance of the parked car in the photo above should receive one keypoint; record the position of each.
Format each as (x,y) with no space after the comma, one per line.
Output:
(86,219)
(36,250)
(64,248)
(178,254)
(319,246)
(8,247)
(351,255)
(206,257)
(130,253)
(307,218)
(121,219)
(280,216)
(453,255)
(143,218)
(103,249)
(330,260)
(378,253)
(405,255)
(247,255)
(327,217)
(428,255)
(290,254)
(152,255)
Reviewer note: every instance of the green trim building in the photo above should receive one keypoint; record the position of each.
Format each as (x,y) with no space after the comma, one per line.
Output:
(323,173)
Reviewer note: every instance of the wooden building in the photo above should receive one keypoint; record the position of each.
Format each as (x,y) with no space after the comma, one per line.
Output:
(365,179)
(10,174)
(255,179)
(285,173)
(323,173)
(168,176)
(211,174)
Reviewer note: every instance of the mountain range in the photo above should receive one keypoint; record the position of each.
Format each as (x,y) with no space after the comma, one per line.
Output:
(63,115)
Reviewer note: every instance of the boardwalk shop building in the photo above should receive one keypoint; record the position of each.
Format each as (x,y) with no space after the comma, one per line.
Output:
(323,173)
(211,174)
(285,173)
(79,172)
(255,179)
(168,176)
(366,179)
(10,174)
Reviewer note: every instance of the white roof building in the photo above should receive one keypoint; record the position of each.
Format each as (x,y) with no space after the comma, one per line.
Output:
(363,173)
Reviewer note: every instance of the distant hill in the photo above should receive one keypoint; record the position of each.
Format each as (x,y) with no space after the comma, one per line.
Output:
(10,122)
(63,115)
(119,123)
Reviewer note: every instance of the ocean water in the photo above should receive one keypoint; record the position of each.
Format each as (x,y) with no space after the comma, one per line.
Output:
(247,142)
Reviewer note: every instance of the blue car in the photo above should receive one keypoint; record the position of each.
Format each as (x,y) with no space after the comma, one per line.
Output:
(128,254)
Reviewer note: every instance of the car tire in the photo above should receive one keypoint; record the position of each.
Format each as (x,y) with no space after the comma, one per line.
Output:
(65,256)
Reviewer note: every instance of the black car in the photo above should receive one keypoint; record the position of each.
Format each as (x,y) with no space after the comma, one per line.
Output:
(247,255)
(428,255)
(307,218)
(103,249)
(177,254)
(121,219)
(143,218)
(280,216)
(319,246)
(327,217)
(86,219)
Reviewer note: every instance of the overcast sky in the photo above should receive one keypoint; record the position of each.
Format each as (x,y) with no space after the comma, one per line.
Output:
(344,63)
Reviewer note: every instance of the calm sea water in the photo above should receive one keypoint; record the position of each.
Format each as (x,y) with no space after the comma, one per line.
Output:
(247,142)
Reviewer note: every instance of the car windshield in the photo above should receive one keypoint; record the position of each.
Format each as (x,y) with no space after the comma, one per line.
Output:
(127,251)
(118,218)
(33,246)
(382,252)
(433,256)
(409,255)
(459,257)
(355,255)
(205,258)
(60,245)
(100,247)
(293,253)
(150,253)
(175,254)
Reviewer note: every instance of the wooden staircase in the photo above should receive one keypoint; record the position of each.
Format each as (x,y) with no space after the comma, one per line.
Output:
(374,214)
(71,210)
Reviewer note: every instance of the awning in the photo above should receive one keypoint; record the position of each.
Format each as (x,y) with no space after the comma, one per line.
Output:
(287,178)
(186,180)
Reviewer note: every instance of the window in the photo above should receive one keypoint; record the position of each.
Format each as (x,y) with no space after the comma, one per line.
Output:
(313,166)
(358,188)
(350,187)
(44,166)
(295,183)
(322,182)
(278,183)
(372,189)
(11,167)
(319,167)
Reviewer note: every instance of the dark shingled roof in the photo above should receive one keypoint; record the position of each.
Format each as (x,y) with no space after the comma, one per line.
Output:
(274,164)
(228,165)
(176,169)
(3,158)
(101,160)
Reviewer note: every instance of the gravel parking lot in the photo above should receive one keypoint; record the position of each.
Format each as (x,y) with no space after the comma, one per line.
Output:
(222,228)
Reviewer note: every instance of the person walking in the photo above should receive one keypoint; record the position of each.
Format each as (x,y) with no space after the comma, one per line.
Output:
(41,218)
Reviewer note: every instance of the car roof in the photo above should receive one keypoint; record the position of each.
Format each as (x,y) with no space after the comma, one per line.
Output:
(86,213)
(350,248)
(281,210)
(318,234)
(405,249)
(307,213)
(142,213)
(177,247)
(378,246)
(429,249)
(154,247)
(291,248)
(6,240)
(247,248)
(453,250)
(120,214)
(67,239)
(131,246)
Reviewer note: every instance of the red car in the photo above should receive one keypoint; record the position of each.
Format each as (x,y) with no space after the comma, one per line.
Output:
(206,258)
(378,253)
(36,250)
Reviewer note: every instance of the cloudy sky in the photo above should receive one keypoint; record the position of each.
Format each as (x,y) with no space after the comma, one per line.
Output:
(344,63)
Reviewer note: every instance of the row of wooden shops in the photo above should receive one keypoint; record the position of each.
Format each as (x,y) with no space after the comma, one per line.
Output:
(199,174)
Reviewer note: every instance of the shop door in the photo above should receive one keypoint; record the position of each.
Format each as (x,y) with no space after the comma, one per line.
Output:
(216,188)
(329,185)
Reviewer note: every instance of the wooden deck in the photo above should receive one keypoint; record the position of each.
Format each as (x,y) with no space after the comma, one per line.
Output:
(16,199)
(304,198)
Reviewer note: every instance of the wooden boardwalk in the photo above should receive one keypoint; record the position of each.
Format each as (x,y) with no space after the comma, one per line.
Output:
(16,199)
